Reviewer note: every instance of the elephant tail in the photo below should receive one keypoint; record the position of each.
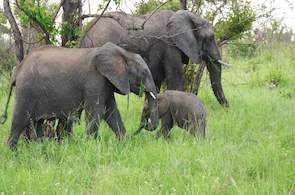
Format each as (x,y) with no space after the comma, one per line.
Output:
(11,84)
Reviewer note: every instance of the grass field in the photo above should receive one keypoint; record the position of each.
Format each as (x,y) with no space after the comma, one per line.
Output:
(250,148)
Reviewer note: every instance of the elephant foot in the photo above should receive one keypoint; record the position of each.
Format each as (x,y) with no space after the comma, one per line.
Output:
(12,144)
(39,140)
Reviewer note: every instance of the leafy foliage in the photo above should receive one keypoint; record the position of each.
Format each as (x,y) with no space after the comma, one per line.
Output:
(41,12)
(7,59)
(67,29)
(238,21)
(3,21)
(241,49)
(145,7)
(230,18)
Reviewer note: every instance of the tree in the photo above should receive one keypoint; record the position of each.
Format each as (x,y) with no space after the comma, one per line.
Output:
(183,4)
(19,45)
(145,7)
(72,22)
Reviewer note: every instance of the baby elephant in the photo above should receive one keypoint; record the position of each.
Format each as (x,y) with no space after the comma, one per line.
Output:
(180,108)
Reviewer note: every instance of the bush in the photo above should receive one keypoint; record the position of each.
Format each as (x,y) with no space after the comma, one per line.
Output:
(241,49)
(7,60)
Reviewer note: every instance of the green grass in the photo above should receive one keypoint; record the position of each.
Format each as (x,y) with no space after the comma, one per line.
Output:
(250,148)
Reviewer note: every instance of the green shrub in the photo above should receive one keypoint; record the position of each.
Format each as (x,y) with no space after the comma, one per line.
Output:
(240,49)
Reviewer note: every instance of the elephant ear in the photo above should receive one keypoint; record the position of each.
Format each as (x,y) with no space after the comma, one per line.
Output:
(110,62)
(181,27)
(163,104)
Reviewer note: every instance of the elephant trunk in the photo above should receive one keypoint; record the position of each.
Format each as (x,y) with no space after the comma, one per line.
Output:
(151,96)
(214,69)
(153,110)
(143,121)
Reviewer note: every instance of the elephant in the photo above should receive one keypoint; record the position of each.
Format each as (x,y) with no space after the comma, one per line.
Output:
(42,126)
(54,82)
(166,40)
(180,108)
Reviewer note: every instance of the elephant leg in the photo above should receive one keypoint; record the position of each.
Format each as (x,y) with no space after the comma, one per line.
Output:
(155,65)
(40,130)
(113,118)
(19,123)
(28,133)
(167,124)
(198,129)
(173,68)
(64,127)
(93,117)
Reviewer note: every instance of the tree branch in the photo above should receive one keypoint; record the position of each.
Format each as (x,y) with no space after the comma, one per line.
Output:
(34,42)
(197,81)
(98,18)
(33,17)
(84,16)
(57,10)
(155,10)
(227,38)
(19,46)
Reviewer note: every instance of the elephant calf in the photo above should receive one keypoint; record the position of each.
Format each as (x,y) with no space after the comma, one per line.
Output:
(180,108)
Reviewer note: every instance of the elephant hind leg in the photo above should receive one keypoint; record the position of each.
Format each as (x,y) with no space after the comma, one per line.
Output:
(19,123)
(198,128)
(64,127)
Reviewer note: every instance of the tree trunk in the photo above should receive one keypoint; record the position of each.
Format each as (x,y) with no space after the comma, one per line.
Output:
(71,20)
(19,45)
(196,85)
(183,4)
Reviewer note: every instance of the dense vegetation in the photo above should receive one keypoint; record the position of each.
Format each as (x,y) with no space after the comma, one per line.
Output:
(250,148)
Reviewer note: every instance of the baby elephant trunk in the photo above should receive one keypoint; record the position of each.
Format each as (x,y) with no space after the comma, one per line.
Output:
(144,121)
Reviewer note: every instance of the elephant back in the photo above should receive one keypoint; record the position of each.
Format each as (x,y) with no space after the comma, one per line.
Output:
(104,30)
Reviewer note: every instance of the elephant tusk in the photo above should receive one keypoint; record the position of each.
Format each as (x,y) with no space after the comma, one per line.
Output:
(153,95)
(224,64)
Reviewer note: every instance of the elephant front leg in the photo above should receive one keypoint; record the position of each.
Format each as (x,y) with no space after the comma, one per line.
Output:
(113,118)
(173,67)
(167,124)
(40,130)
(93,121)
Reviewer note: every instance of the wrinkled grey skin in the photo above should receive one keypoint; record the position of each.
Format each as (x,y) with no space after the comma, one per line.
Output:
(64,126)
(169,39)
(177,108)
(56,82)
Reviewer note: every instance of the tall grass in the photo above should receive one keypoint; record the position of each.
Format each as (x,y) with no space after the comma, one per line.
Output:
(250,148)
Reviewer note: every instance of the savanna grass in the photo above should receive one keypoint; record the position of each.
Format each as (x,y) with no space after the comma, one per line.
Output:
(250,148)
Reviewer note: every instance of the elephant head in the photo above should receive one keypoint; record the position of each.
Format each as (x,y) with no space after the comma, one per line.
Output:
(127,71)
(163,107)
(195,38)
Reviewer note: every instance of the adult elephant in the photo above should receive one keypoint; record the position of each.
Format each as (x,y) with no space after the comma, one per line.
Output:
(56,82)
(166,40)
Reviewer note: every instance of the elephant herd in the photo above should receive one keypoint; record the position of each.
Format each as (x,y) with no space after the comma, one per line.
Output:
(119,53)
